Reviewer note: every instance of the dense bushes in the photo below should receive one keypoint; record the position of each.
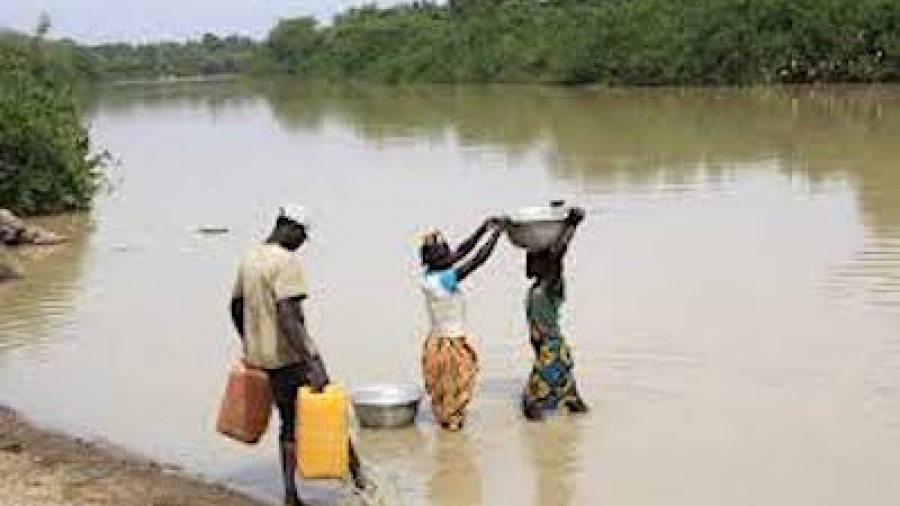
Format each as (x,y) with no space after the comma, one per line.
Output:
(210,55)
(45,160)
(606,41)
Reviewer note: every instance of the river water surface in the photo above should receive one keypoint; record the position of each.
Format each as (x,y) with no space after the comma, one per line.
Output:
(734,296)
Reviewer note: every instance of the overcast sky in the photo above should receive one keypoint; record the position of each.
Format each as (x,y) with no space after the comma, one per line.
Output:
(141,20)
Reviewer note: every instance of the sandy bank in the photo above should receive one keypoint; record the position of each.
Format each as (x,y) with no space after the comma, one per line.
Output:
(43,468)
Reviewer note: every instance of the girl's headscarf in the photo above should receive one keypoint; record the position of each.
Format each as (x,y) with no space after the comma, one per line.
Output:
(433,247)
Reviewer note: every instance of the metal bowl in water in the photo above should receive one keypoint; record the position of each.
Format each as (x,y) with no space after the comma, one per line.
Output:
(386,405)
(535,228)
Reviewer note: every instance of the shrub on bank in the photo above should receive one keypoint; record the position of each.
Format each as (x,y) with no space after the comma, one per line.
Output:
(46,164)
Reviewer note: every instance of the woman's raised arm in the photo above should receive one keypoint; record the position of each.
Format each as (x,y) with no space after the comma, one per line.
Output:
(469,243)
(481,257)
(575,217)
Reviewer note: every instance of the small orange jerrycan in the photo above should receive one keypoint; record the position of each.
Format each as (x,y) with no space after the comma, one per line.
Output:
(323,433)
(246,405)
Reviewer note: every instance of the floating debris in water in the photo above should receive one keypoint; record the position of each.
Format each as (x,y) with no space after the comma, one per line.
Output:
(212,230)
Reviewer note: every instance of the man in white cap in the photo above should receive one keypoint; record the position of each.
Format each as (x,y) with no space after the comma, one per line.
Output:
(266,309)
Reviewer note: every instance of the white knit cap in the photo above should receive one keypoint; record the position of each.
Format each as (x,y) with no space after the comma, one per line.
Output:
(297,214)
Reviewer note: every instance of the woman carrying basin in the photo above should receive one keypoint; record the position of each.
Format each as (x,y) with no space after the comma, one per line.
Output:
(449,363)
(546,234)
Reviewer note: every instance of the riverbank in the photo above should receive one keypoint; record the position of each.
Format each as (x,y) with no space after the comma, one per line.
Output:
(164,80)
(44,468)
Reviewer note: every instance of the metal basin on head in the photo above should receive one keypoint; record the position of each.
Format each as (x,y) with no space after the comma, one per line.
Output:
(535,228)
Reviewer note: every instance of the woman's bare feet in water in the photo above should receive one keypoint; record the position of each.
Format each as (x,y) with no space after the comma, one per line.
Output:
(577,405)
(533,413)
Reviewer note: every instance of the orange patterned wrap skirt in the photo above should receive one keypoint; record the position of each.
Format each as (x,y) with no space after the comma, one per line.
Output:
(450,368)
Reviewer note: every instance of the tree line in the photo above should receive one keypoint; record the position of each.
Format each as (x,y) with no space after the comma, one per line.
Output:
(619,42)
(616,42)
(210,55)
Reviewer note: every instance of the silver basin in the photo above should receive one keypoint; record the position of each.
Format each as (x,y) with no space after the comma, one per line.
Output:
(535,228)
(386,405)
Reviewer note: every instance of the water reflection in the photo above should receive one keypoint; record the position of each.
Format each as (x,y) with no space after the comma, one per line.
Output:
(603,135)
(456,478)
(677,140)
(553,449)
(707,123)
(42,302)
(209,98)
(596,134)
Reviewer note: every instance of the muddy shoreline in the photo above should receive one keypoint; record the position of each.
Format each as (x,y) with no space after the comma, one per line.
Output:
(39,467)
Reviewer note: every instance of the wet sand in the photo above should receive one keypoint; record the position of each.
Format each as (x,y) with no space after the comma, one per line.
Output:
(43,468)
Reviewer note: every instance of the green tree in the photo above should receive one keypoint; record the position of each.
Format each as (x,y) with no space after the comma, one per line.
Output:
(292,45)
(45,160)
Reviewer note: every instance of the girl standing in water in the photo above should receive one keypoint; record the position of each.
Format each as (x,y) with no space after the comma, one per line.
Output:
(449,363)
(551,381)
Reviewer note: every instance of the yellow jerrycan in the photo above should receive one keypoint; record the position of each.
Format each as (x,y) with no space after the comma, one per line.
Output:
(323,433)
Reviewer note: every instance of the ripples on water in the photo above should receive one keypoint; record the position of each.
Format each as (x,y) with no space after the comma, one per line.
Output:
(41,305)
(872,274)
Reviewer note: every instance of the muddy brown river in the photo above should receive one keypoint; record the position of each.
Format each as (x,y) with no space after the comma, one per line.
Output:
(734,296)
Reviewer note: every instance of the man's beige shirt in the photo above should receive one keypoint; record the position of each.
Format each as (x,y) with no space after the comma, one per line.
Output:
(267,274)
